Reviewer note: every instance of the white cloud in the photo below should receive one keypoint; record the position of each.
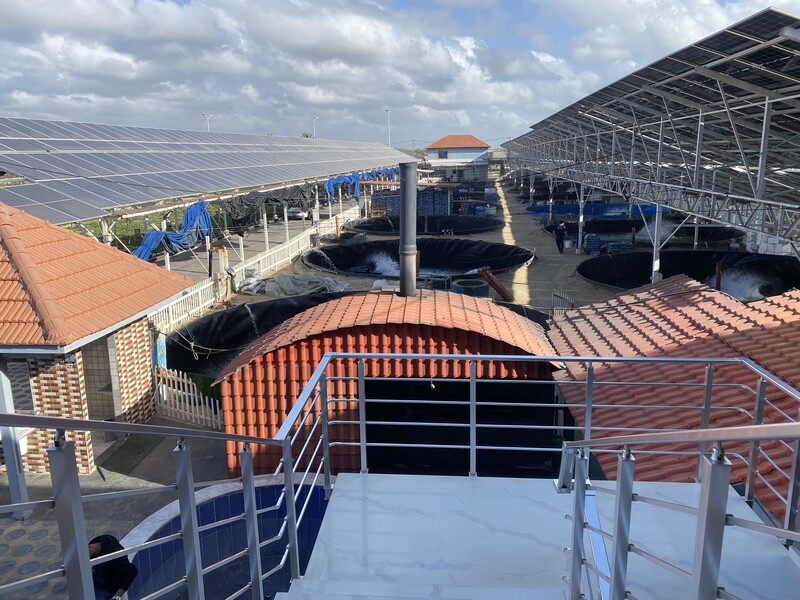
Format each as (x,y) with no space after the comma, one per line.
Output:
(273,65)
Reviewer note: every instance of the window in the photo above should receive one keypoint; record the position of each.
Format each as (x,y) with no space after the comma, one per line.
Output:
(441,154)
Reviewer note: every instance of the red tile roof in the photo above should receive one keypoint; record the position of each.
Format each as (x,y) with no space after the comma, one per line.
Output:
(680,317)
(429,307)
(463,140)
(57,286)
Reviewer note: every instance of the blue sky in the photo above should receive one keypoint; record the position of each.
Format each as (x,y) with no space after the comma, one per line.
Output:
(486,67)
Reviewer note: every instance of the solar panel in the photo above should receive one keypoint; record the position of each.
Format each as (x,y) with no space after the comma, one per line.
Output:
(99,167)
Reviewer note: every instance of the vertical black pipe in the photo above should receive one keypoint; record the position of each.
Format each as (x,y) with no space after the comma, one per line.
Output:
(408,229)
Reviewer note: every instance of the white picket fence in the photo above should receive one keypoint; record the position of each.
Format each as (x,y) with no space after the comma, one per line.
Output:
(178,398)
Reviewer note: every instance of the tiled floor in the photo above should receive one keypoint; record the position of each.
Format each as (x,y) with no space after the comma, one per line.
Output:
(407,536)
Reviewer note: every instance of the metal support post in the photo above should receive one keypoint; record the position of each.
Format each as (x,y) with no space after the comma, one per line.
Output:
(473,419)
(251,522)
(790,521)
(264,221)
(362,415)
(698,151)
(566,471)
(755,446)
(581,207)
(761,181)
(578,523)
(241,247)
(286,221)
(167,265)
(326,442)
(587,424)
(291,509)
(17,486)
(188,509)
(622,525)
(656,273)
(340,199)
(69,515)
(705,416)
(710,525)
(660,156)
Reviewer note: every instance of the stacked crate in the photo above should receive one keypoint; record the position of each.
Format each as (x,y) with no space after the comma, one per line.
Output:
(430,202)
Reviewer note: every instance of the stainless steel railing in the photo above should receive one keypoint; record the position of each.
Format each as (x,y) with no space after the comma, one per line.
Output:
(712,518)
(311,431)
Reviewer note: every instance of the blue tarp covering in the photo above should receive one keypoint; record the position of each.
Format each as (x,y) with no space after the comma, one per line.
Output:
(196,226)
(597,210)
(355,180)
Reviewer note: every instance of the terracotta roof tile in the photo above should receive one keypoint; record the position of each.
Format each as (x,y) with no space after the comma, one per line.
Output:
(679,317)
(57,286)
(429,307)
(464,140)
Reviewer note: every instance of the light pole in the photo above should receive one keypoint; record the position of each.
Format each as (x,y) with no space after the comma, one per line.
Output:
(314,134)
(208,120)
(389,127)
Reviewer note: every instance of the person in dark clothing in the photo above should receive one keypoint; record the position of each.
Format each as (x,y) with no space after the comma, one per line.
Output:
(113,578)
(560,231)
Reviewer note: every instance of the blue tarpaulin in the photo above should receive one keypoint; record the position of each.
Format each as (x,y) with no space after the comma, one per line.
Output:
(196,226)
(355,179)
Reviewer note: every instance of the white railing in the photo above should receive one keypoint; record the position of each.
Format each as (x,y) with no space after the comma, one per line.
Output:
(179,398)
(204,294)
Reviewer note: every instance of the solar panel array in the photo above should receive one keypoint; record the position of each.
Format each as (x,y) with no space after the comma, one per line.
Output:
(82,171)
(728,77)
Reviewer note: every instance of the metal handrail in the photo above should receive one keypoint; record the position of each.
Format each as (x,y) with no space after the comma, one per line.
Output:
(746,433)
(43,422)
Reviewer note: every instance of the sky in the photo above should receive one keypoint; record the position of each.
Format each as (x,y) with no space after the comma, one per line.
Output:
(343,69)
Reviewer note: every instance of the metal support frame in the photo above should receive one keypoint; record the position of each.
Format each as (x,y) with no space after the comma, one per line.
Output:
(587,420)
(266,229)
(69,515)
(655,276)
(710,525)
(167,265)
(192,558)
(761,180)
(473,419)
(790,521)
(362,415)
(291,509)
(578,523)
(326,442)
(251,522)
(286,220)
(753,455)
(622,525)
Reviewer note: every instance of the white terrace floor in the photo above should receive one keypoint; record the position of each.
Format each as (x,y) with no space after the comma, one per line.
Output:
(404,536)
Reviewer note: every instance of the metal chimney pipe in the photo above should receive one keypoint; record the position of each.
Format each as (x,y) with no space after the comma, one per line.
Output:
(408,229)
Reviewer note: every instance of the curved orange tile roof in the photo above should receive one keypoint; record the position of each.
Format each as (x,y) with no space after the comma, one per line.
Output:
(57,286)
(429,307)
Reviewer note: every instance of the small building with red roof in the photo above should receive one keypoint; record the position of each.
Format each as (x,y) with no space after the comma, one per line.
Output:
(461,157)
(74,336)
(260,386)
(682,318)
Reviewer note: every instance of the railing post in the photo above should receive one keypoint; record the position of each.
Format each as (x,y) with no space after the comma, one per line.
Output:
(705,417)
(752,459)
(69,515)
(473,420)
(578,523)
(622,524)
(291,514)
(251,522)
(326,441)
(587,424)
(362,415)
(188,508)
(710,524)
(790,521)
(566,471)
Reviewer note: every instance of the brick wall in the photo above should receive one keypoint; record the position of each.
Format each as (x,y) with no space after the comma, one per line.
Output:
(134,371)
(58,390)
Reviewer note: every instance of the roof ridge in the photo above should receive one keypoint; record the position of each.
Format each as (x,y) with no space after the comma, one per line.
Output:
(53,322)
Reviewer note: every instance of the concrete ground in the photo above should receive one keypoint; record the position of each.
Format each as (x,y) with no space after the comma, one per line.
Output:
(31,546)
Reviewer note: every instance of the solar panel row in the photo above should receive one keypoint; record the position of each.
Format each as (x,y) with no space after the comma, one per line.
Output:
(81,171)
